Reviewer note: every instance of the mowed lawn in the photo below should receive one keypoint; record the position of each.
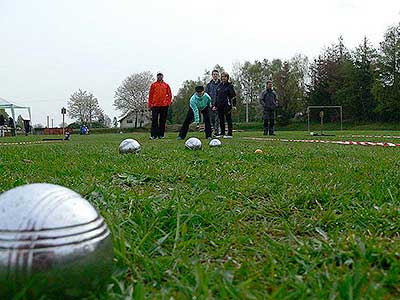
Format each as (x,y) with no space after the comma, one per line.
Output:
(299,221)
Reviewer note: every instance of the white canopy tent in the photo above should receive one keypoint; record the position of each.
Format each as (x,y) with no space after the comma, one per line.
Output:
(4,104)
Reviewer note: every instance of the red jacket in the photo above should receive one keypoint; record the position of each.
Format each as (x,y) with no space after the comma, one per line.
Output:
(160,94)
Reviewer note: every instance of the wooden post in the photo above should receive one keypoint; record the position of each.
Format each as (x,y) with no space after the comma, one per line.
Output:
(63,112)
(321,115)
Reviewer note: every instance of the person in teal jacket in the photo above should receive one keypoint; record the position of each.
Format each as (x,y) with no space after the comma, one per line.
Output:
(200,102)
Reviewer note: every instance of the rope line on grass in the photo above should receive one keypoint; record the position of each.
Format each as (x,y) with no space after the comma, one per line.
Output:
(381,144)
(372,136)
(28,143)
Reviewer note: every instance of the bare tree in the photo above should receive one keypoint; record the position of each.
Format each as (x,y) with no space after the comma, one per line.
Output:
(132,94)
(84,107)
(105,120)
(250,78)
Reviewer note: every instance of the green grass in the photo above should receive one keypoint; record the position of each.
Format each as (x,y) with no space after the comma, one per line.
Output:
(299,221)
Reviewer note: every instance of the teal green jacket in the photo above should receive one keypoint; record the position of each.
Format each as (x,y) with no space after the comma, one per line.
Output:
(197,104)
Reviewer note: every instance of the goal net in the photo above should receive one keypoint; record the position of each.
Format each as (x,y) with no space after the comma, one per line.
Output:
(324,118)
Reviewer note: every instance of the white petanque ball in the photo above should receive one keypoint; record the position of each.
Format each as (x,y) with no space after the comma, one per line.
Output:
(193,144)
(215,143)
(53,242)
(129,146)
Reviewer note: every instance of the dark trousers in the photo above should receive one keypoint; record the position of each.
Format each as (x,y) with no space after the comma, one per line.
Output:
(158,120)
(189,119)
(222,114)
(269,121)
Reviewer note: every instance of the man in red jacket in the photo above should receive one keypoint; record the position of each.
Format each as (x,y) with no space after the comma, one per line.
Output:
(160,98)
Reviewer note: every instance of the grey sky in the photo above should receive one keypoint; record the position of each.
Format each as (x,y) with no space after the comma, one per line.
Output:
(51,48)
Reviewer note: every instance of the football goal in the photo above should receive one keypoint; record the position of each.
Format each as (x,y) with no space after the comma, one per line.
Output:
(324,117)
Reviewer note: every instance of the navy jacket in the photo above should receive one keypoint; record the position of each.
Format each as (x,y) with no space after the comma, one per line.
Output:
(226,96)
(211,89)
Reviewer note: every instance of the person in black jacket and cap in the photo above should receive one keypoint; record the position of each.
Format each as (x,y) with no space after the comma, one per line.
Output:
(269,101)
(225,102)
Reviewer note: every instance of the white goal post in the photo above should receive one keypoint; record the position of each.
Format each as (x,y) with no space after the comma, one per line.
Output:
(323,107)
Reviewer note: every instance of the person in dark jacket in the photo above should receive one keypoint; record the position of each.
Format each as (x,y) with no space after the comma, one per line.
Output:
(211,89)
(27,126)
(11,122)
(269,101)
(2,125)
(11,125)
(225,102)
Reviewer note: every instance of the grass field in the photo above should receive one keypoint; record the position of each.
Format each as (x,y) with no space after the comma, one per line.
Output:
(299,221)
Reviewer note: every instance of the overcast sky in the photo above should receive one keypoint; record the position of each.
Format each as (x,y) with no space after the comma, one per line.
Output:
(51,48)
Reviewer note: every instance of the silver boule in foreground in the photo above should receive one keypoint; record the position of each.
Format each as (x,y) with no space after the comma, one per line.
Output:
(129,146)
(53,242)
(193,143)
(215,143)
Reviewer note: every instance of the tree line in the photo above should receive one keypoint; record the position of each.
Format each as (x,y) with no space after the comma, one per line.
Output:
(365,81)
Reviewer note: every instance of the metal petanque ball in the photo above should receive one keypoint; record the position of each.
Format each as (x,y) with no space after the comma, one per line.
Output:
(193,144)
(129,146)
(215,143)
(53,242)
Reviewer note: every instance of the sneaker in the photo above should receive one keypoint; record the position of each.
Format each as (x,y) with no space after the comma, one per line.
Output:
(161,137)
(152,137)
(179,138)
(218,136)
(228,137)
(271,133)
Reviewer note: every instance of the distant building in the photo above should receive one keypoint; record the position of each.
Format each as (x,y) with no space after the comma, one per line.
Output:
(135,119)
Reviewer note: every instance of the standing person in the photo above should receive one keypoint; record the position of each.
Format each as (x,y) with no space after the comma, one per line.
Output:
(269,101)
(211,90)
(11,125)
(2,125)
(27,126)
(200,102)
(160,98)
(226,101)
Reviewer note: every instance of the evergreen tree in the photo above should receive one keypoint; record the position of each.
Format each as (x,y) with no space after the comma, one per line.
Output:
(387,85)
(359,83)
(328,77)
